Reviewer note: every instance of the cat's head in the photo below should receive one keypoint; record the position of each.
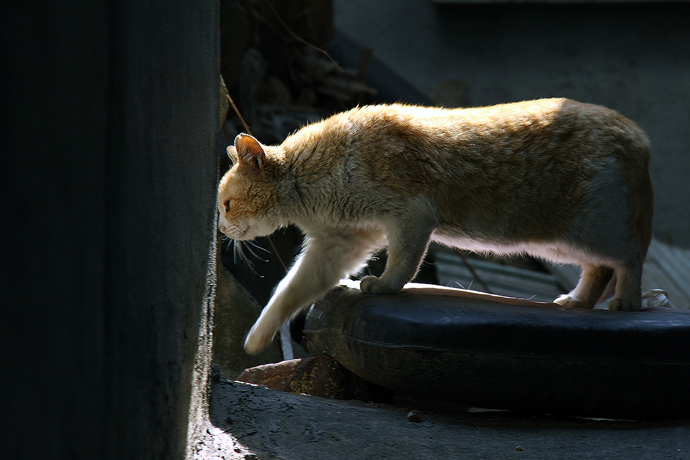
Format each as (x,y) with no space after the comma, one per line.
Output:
(248,193)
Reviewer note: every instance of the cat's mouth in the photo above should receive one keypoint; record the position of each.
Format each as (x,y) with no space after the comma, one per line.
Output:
(238,233)
(232,231)
(248,231)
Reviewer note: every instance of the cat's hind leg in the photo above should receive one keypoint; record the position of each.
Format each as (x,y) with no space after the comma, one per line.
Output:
(628,295)
(592,284)
(322,263)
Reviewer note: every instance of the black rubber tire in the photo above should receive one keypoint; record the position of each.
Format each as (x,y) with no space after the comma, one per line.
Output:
(506,353)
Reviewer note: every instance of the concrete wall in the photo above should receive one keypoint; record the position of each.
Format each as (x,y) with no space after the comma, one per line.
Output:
(109,161)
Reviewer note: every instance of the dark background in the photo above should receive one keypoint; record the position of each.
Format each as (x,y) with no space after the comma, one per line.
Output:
(109,154)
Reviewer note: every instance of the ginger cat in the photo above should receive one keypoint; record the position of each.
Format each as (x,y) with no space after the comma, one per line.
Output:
(552,178)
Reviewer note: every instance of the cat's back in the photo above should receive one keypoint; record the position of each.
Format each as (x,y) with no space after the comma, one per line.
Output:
(517,120)
(366,130)
(398,145)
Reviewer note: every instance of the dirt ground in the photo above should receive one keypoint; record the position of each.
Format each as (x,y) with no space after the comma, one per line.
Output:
(251,422)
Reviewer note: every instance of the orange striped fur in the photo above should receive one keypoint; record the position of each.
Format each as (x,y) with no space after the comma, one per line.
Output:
(553,178)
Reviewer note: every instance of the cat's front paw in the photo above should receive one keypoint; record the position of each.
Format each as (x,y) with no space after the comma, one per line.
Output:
(373,285)
(568,301)
(259,337)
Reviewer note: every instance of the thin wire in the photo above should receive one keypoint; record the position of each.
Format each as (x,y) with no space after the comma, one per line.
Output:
(277,254)
(237,111)
(303,41)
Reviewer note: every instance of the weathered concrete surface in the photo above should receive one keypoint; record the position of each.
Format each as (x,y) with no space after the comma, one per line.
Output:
(254,422)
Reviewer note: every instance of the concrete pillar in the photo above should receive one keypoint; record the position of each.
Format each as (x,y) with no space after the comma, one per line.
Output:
(109,120)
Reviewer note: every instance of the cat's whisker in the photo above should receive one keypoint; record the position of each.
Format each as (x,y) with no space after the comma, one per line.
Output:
(251,251)
(238,253)
(455,284)
(255,255)
(258,246)
(224,240)
(235,252)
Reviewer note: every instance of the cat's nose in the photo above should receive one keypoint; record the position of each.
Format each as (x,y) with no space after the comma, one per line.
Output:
(222,228)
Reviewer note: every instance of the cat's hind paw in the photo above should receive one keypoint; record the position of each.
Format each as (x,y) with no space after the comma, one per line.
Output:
(373,285)
(623,305)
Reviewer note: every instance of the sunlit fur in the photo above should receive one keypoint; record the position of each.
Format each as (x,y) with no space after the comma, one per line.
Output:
(553,178)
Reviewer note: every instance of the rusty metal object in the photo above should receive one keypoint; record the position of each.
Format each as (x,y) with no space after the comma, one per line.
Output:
(315,376)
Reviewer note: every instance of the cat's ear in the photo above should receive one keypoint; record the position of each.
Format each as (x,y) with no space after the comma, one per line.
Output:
(232,154)
(250,153)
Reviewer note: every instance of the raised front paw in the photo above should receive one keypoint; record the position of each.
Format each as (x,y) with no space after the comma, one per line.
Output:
(259,337)
(373,285)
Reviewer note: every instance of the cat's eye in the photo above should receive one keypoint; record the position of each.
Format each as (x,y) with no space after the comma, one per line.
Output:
(227,206)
